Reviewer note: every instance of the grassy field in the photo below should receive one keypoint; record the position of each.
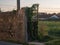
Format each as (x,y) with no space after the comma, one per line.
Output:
(51,28)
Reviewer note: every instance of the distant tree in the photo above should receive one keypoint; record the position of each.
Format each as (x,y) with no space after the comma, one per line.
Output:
(54,14)
(14,11)
(0,10)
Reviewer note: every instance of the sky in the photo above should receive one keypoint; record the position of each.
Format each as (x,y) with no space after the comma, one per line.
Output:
(50,6)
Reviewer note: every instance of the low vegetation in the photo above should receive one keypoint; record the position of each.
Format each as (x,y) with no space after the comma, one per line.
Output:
(53,42)
(50,30)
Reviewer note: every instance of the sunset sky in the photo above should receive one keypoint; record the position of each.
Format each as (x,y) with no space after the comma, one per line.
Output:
(44,5)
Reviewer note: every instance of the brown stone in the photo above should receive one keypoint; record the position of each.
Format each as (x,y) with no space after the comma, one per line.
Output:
(12,26)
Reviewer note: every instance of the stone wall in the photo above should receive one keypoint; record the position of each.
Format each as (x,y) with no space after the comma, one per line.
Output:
(12,26)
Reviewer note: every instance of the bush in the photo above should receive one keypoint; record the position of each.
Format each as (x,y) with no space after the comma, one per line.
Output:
(45,38)
(55,33)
